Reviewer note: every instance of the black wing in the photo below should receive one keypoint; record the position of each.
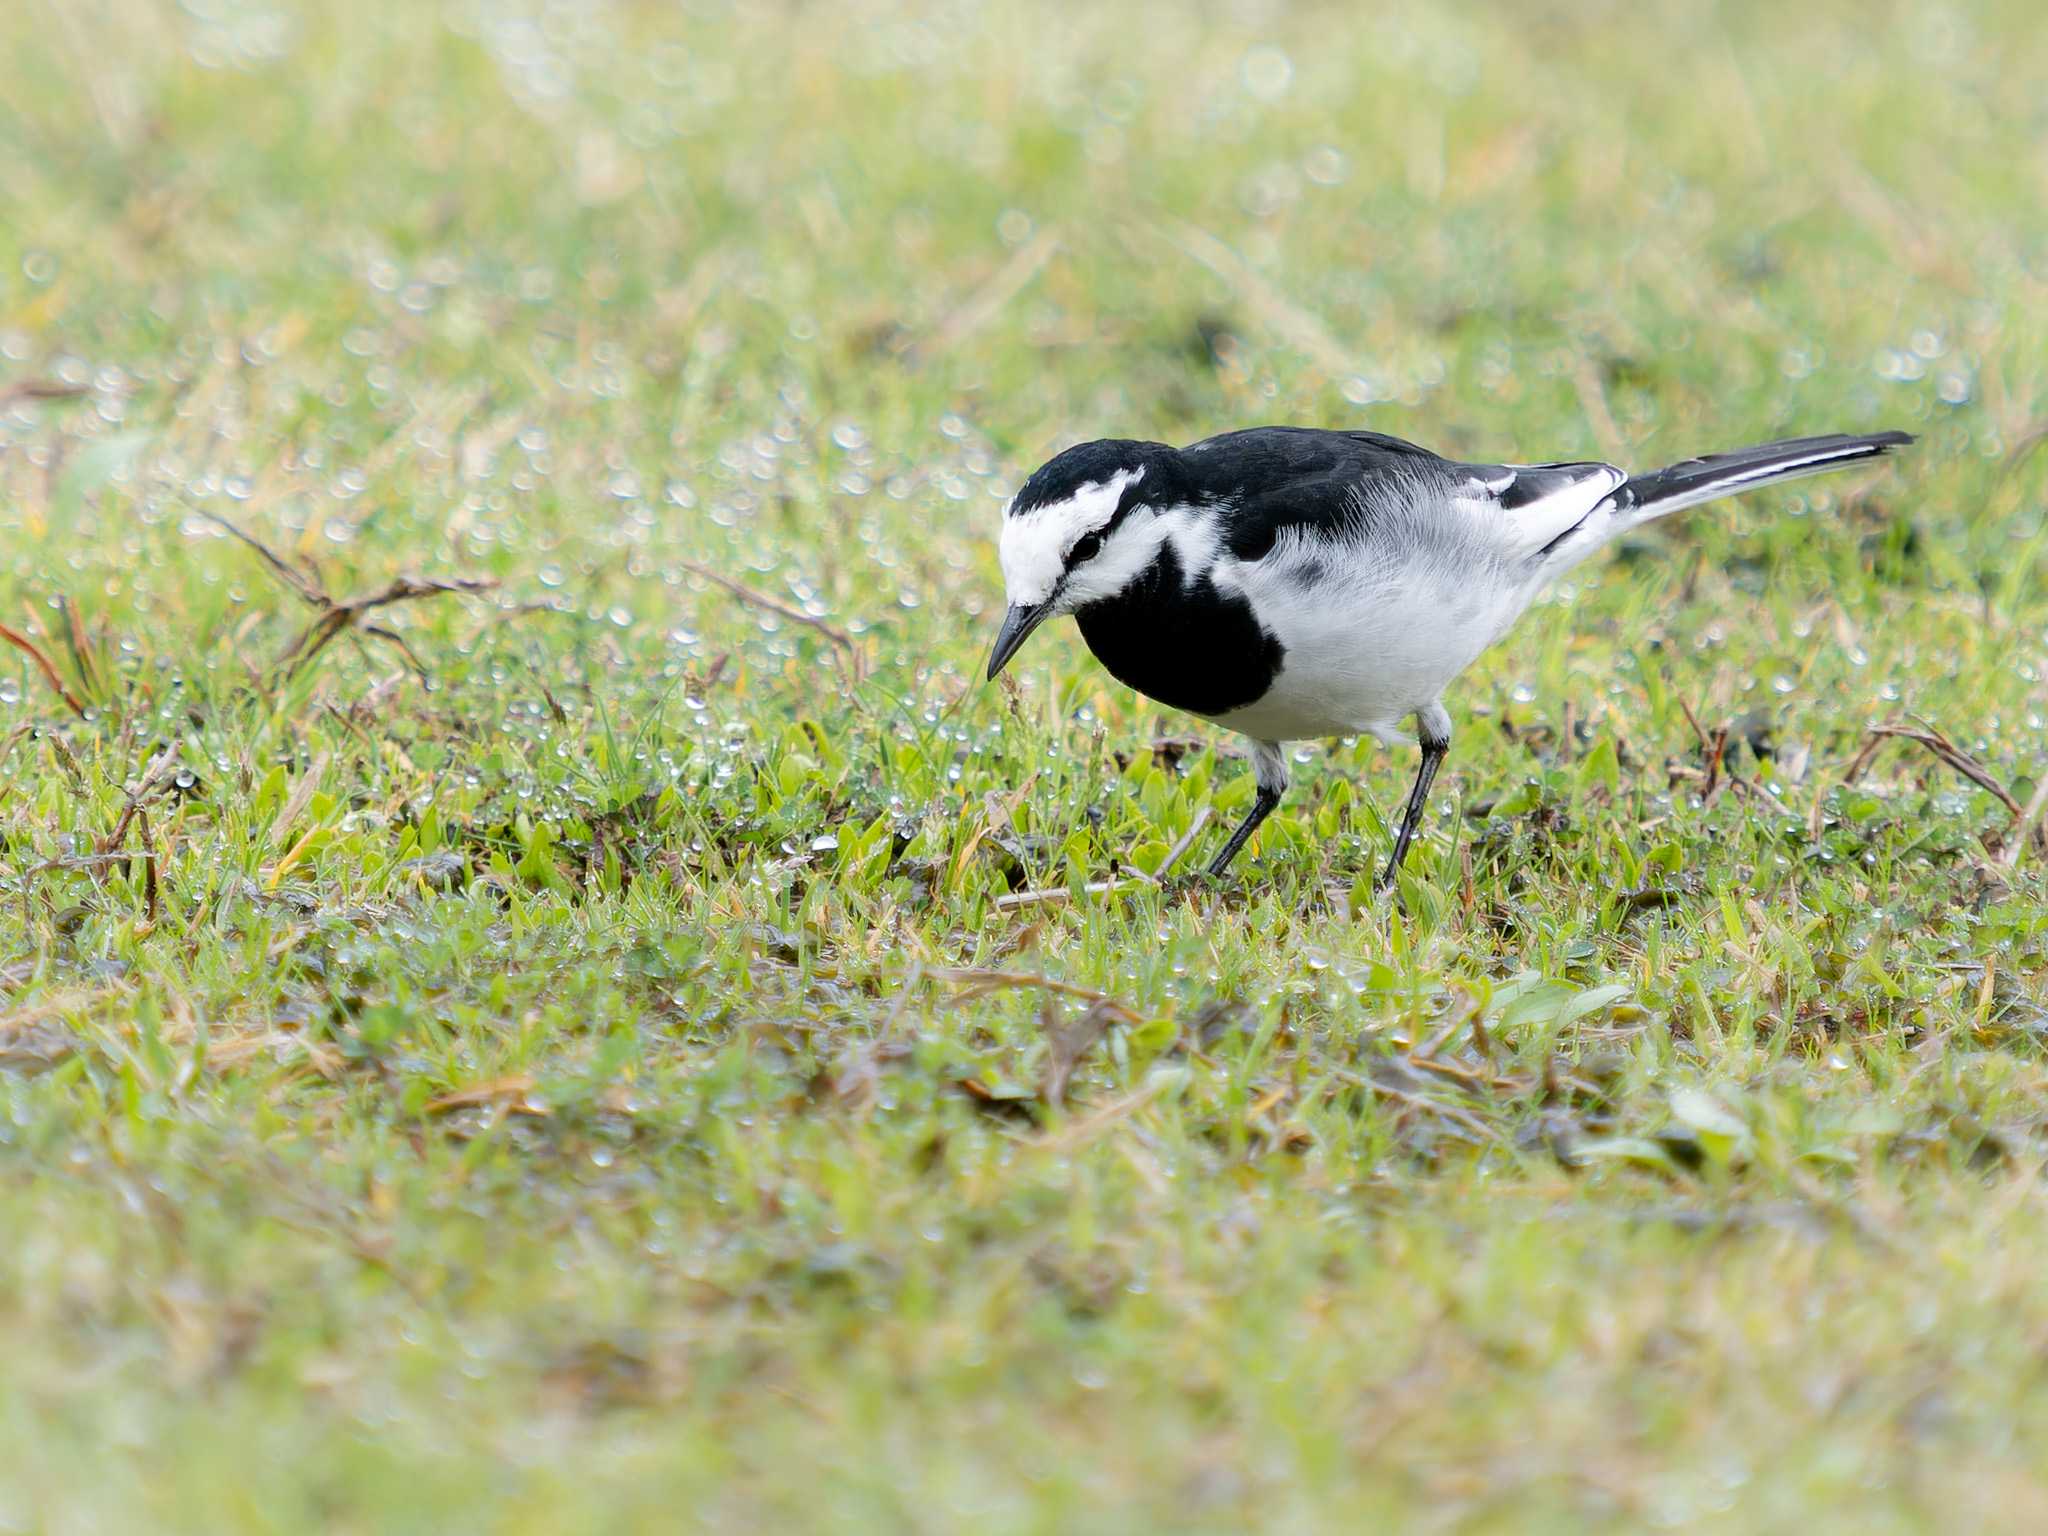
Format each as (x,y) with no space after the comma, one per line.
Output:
(1269,479)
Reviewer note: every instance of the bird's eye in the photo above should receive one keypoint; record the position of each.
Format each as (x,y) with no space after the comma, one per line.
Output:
(1087,547)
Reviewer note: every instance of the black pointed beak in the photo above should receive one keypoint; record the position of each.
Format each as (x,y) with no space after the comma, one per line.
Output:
(1017,626)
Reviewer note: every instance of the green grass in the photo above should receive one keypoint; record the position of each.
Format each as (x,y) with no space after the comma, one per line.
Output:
(576,1088)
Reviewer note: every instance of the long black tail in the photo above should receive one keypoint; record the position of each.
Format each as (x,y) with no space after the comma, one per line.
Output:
(1728,474)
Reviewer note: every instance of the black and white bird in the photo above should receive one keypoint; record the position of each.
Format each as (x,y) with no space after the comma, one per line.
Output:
(1293,583)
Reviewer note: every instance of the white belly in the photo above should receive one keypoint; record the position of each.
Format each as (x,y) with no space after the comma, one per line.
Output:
(1366,645)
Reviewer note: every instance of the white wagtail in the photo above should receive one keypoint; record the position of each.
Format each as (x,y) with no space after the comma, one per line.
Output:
(1291,583)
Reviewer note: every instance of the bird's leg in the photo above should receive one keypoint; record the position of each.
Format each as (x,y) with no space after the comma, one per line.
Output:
(1434,724)
(1269,765)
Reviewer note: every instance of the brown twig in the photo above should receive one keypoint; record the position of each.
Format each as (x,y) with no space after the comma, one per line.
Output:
(1714,748)
(1860,763)
(842,642)
(337,616)
(1714,760)
(1693,720)
(2025,824)
(160,768)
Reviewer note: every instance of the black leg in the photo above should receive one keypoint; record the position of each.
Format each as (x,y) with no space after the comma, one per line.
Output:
(1261,809)
(1270,764)
(1436,746)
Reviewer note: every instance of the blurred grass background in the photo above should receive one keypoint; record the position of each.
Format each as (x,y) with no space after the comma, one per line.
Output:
(562,1063)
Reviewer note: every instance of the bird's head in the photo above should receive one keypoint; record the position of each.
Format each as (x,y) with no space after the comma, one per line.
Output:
(1081,530)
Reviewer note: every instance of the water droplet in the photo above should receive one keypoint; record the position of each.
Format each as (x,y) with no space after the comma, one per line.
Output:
(1325,165)
(1267,72)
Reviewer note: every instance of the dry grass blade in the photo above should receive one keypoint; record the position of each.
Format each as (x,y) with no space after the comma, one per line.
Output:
(988,301)
(308,589)
(1939,744)
(1295,325)
(1044,895)
(1461,1013)
(149,863)
(1463,1118)
(1084,1130)
(398,642)
(40,389)
(2027,828)
(511,1090)
(2023,449)
(973,981)
(842,642)
(301,796)
(83,661)
(1182,844)
(22,642)
(1593,400)
(1052,893)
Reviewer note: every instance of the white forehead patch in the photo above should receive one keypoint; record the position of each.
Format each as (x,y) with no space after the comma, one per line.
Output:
(1034,544)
